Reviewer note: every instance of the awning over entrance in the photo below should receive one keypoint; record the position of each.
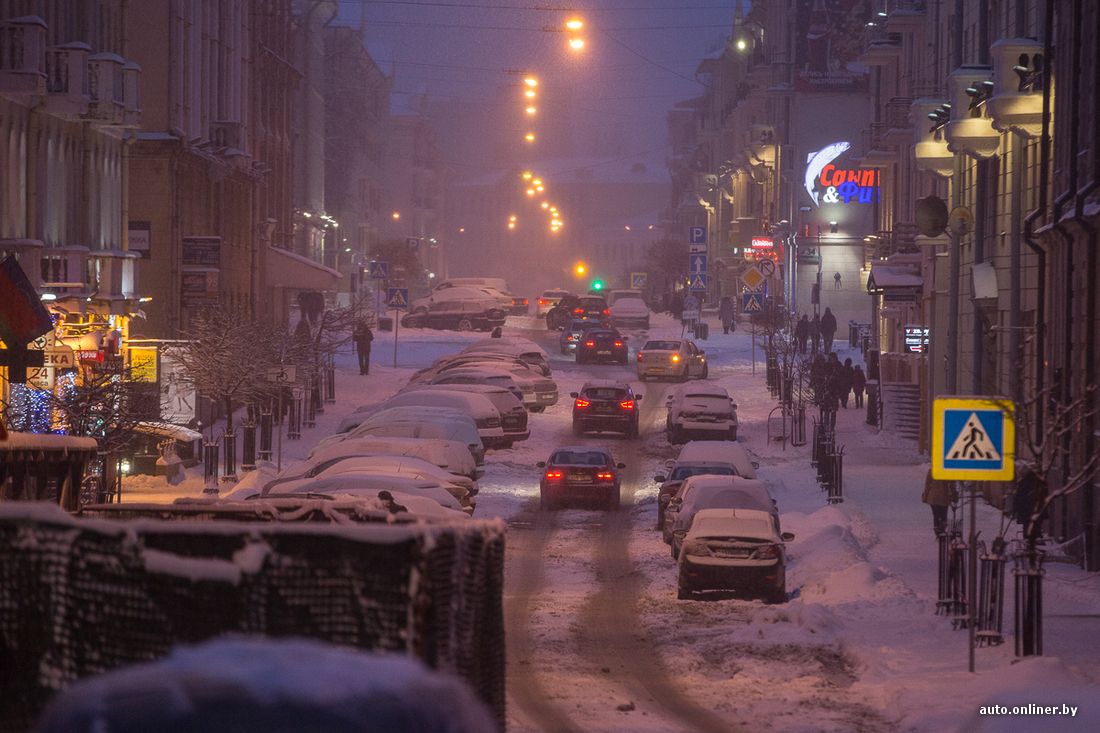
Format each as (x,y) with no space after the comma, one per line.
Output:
(288,270)
(896,281)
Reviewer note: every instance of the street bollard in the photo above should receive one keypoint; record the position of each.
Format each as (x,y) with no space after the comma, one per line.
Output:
(210,466)
(798,426)
(312,398)
(960,608)
(267,424)
(836,476)
(294,414)
(943,602)
(248,447)
(230,461)
(330,381)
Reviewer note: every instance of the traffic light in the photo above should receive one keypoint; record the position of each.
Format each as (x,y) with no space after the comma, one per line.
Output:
(597,284)
(580,269)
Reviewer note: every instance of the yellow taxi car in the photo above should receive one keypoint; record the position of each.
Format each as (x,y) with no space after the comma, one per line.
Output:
(677,359)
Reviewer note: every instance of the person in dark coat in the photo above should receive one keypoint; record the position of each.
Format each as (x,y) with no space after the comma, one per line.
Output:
(676,306)
(726,314)
(362,336)
(497,333)
(802,332)
(859,382)
(815,331)
(834,375)
(939,495)
(828,328)
(847,379)
(817,379)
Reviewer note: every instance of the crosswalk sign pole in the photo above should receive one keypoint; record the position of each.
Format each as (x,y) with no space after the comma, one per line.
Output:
(396,327)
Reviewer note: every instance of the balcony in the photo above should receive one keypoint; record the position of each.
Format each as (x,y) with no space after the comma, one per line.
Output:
(113,275)
(970,130)
(899,129)
(23,57)
(67,81)
(228,135)
(1018,78)
(64,271)
(106,101)
(877,151)
(930,148)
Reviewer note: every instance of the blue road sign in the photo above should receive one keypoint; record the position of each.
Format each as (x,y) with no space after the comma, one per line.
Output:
(697,263)
(752,302)
(637,280)
(398,298)
(698,282)
(379,271)
(413,243)
(697,235)
(972,439)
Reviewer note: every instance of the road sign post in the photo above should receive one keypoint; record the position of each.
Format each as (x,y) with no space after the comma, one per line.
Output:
(398,299)
(973,440)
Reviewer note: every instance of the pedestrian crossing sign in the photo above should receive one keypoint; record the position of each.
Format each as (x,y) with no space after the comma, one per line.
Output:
(398,298)
(752,302)
(379,271)
(973,439)
(698,282)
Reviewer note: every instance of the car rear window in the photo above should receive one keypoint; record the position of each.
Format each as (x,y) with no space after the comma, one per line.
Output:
(579,458)
(662,346)
(592,302)
(605,393)
(684,472)
(707,394)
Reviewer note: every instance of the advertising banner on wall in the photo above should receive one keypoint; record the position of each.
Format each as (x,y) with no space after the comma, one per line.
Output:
(831,35)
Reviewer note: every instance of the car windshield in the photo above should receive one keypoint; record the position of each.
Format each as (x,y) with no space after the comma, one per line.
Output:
(682,472)
(605,393)
(662,346)
(580,458)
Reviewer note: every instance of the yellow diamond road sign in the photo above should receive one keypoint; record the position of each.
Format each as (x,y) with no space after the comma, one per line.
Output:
(973,439)
(752,277)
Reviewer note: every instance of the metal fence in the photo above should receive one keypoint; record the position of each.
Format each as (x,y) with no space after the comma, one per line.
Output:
(81,597)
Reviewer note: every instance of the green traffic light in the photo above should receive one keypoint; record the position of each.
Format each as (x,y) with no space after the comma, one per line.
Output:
(597,285)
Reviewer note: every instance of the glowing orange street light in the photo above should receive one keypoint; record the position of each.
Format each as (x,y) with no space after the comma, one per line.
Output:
(526,175)
(397,215)
(530,94)
(531,81)
(530,192)
(580,269)
(545,205)
(530,110)
(530,137)
(576,44)
(574,24)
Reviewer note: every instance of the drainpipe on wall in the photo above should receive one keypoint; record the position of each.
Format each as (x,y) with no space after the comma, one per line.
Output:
(955,265)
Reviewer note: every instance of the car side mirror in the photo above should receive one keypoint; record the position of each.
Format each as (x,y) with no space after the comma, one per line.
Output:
(701,352)
(670,463)
(660,479)
(637,398)
(755,464)
(574,395)
(734,405)
(620,465)
(787,537)
(541,464)
(624,338)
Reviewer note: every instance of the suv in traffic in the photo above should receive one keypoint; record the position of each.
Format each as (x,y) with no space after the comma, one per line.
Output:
(604,404)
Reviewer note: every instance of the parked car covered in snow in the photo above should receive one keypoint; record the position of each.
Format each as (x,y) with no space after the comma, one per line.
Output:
(701,458)
(493,378)
(738,550)
(415,421)
(701,410)
(520,348)
(678,359)
(368,485)
(713,492)
(513,415)
(450,455)
(479,407)
(539,391)
(457,315)
(628,310)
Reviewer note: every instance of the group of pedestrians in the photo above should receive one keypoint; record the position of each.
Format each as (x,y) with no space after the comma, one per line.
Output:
(819,331)
(833,384)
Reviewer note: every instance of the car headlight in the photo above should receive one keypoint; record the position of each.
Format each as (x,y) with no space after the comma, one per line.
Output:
(689,415)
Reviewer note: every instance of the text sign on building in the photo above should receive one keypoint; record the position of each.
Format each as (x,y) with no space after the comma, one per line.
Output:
(973,439)
(137,238)
(761,243)
(829,183)
(202,251)
(916,339)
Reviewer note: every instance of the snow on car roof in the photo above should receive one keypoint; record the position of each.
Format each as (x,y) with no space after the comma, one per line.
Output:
(718,451)
(700,491)
(733,523)
(696,389)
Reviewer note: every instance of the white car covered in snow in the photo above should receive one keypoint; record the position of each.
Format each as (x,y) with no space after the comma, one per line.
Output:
(450,455)
(368,485)
(520,348)
(713,492)
(628,310)
(738,550)
(701,409)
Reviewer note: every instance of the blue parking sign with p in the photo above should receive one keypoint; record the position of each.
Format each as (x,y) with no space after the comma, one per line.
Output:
(697,235)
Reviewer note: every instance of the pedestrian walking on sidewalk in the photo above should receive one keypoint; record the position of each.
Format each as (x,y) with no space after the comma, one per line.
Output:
(939,495)
(828,328)
(362,336)
(802,332)
(859,383)
(726,313)
(815,331)
(836,280)
(847,380)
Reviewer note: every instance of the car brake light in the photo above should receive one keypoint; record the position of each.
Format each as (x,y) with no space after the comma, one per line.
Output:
(553,474)
(542,302)
(582,403)
(607,311)
(618,344)
(628,405)
(525,302)
(676,357)
(607,475)
(578,310)
(589,343)
(766,553)
(639,357)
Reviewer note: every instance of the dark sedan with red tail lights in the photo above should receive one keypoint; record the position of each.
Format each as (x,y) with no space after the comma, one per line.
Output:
(602,346)
(580,475)
(604,404)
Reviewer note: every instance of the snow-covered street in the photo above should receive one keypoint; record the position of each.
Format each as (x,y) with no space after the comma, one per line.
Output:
(598,642)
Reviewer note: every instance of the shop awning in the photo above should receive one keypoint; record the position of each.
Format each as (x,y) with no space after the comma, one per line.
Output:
(286,269)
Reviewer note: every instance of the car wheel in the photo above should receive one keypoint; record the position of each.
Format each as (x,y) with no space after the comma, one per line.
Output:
(578,431)
(545,502)
(706,371)
(776,596)
(412,323)
(625,361)
(537,408)
(660,517)
(676,435)
(613,504)
(733,434)
(634,432)
(465,325)
(683,590)
(683,376)
(580,359)
(674,550)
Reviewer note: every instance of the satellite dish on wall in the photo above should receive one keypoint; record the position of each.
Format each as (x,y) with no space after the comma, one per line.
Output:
(931,216)
(961,221)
